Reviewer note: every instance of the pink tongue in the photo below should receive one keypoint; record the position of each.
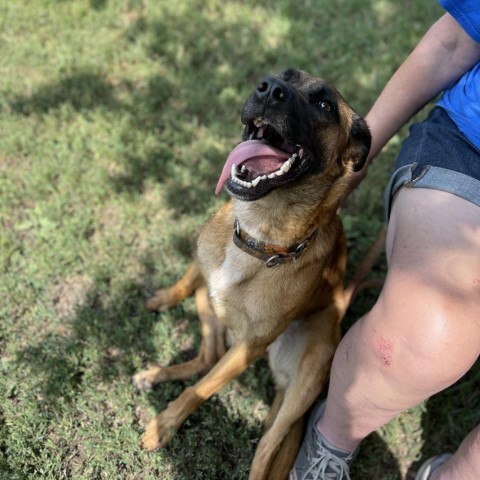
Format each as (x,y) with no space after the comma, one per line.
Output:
(254,150)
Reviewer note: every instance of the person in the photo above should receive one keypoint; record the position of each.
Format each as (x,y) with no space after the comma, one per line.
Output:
(423,333)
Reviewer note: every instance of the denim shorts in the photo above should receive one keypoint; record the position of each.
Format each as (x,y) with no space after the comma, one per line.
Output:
(437,155)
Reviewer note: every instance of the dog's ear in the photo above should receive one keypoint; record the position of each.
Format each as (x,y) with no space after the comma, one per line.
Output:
(358,146)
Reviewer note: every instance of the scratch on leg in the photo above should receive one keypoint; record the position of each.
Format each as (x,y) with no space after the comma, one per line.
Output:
(385,350)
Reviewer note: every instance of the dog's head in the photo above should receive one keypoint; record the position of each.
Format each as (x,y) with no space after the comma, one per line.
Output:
(296,125)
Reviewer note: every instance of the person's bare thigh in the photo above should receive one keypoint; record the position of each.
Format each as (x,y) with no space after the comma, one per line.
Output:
(437,235)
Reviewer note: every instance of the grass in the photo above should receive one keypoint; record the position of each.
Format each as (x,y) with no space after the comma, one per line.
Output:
(115,119)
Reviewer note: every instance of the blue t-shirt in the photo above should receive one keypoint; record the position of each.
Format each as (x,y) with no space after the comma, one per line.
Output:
(462,99)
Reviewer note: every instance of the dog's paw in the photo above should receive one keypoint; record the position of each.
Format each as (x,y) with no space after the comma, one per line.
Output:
(157,434)
(161,301)
(144,380)
(147,379)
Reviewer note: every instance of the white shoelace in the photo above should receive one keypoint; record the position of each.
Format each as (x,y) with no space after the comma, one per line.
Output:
(323,461)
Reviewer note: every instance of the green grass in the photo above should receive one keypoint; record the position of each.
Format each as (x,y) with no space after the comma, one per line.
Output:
(115,119)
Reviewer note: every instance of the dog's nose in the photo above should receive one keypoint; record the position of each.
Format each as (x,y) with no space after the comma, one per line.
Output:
(273,89)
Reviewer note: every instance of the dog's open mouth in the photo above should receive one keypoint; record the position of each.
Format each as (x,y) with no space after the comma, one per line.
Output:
(263,162)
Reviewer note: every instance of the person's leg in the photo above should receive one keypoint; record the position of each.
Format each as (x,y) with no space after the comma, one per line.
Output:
(424,331)
(465,464)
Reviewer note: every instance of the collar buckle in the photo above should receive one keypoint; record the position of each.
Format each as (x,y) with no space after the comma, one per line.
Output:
(273,261)
(301,248)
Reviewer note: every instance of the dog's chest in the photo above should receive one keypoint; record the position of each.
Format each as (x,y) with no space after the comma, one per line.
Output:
(251,299)
(224,281)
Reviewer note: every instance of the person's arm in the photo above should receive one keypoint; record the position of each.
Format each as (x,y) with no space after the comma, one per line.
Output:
(443,55)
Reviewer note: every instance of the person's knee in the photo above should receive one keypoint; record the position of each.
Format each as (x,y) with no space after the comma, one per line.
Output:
(410,346)
(413,334)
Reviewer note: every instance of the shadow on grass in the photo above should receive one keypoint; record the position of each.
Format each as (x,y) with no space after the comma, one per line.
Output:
(209,64)
(102,345)
(375,461)
(82,90)
(98,4)
(98,338)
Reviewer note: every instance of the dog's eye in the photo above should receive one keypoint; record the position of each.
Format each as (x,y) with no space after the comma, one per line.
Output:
(327,106)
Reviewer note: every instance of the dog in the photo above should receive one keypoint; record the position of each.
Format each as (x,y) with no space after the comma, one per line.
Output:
(270,264)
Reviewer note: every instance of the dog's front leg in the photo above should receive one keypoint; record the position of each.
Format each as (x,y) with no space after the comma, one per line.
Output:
(296,402)
(212,349)
(161,429)
(166,298)
(316,341)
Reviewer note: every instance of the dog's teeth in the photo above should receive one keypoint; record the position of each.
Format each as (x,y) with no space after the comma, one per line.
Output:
(256,181)
(259,122)
(242,183)
(286,166)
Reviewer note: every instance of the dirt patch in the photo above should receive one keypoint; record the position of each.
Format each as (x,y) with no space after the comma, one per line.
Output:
(70,295)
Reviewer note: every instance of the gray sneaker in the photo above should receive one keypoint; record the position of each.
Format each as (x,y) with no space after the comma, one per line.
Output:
(317,458)
(431,466)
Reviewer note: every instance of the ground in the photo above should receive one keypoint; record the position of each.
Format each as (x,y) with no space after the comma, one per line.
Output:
(116,117)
